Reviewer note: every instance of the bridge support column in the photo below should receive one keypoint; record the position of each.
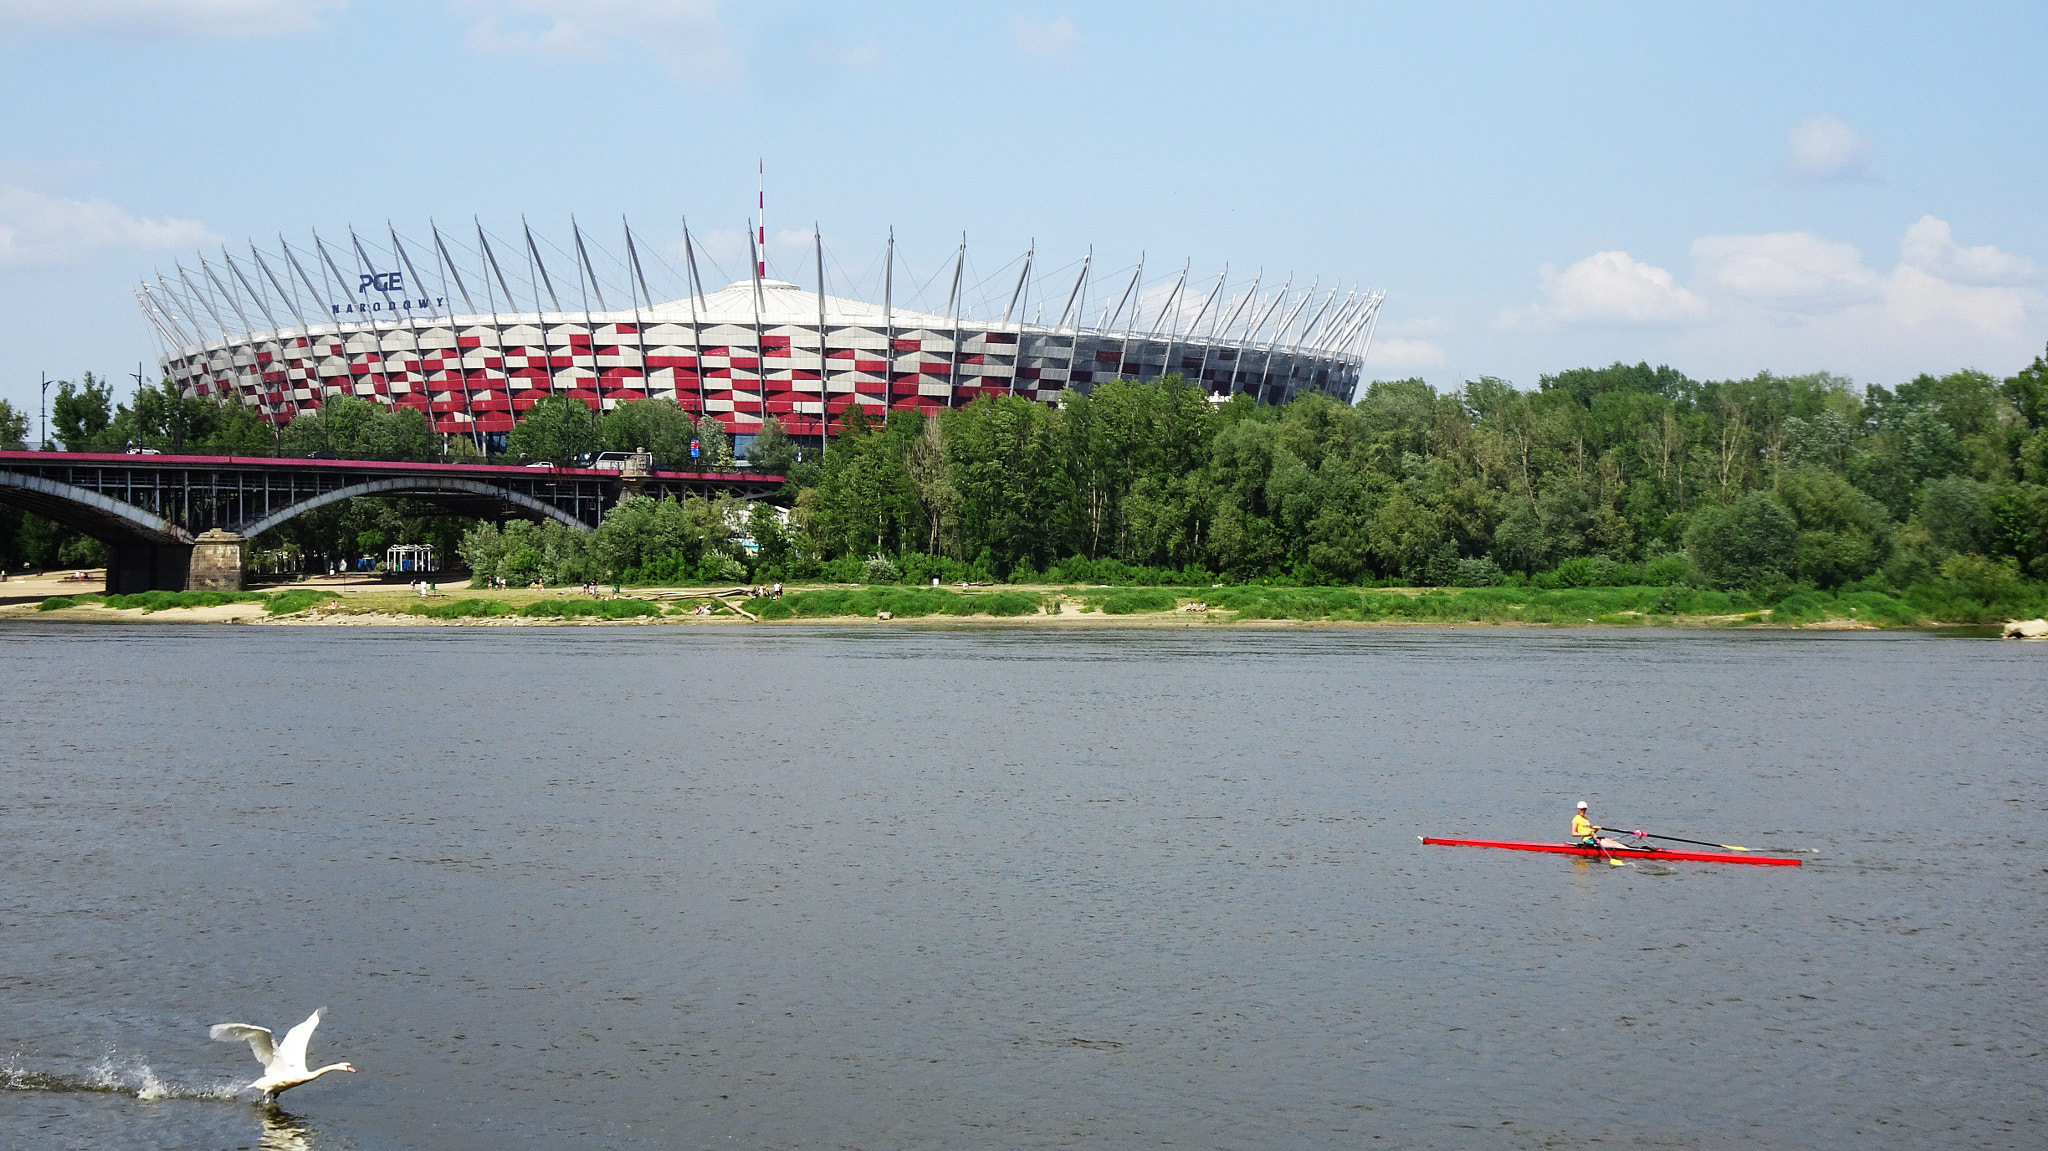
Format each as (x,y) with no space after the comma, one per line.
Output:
(216,562)
(138,567)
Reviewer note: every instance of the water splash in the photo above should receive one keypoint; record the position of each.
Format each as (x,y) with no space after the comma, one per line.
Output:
(113,1074)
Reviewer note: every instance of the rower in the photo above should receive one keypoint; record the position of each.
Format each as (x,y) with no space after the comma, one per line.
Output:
(1586,833)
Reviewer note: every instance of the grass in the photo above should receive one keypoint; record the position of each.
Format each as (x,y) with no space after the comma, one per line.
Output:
(900,602)
(296,600)
(1947,600)
(585,608)
(150,601)
(461,609)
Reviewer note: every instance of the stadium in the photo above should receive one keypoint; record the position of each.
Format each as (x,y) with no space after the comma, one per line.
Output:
(436,324)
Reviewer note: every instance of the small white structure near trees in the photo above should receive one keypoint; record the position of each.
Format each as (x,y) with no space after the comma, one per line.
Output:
(410,558)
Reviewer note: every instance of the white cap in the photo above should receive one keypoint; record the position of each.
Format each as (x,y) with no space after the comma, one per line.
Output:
(1582,805)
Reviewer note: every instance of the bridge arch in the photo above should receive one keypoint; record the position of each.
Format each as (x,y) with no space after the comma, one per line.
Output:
(101,517)
(426,487)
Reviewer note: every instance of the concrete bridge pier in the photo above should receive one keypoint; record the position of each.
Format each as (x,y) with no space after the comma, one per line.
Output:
(134,566)
(216,563)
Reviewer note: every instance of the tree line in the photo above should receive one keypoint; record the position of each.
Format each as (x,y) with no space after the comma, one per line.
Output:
(1609,475)
(1793,479)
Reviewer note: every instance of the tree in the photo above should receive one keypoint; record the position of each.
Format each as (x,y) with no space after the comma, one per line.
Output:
(239,431)
(13,428)
(714,446)
(1843,534)
(658,426)
(938,502)
(81,413)
(1956,512)
(1743,544)
(557,429)
(772,452)
(771,543)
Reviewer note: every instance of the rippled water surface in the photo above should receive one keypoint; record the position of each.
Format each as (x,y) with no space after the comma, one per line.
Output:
(977,888)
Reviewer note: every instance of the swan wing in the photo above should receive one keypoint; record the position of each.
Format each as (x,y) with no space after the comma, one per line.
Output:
(258,1037)
(292,1052)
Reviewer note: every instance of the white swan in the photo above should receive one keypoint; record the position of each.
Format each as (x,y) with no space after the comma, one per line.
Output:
(284,1066)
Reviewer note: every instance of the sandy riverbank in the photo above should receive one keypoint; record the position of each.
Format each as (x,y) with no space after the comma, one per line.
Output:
(361,601)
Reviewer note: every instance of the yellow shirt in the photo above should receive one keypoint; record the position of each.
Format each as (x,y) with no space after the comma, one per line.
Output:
(1582,828)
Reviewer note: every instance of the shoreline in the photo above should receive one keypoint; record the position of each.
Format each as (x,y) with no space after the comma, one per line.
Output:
(252,614)
(347,603)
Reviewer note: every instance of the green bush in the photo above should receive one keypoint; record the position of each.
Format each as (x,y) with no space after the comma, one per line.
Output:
(60,602)
(295,600)
(150,601)
(1008,603)
(901,602)
(462,609)
(590,609)
(1137,600)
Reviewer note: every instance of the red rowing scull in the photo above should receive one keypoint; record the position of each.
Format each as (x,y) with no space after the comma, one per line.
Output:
(1629,853)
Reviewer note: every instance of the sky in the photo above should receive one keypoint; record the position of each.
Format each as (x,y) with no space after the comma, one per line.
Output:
(1730,188)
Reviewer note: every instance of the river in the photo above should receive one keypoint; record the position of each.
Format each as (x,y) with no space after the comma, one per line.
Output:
(929,887)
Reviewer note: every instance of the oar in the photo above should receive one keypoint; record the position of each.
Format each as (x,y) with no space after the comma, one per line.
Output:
(1611,861)
(1723,846)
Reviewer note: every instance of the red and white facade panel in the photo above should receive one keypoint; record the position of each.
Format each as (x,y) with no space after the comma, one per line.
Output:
(754,350)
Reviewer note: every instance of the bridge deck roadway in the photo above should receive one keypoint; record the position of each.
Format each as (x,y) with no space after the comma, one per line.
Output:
(151,508)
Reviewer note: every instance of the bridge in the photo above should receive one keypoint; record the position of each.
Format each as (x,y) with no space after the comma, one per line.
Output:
(177,522)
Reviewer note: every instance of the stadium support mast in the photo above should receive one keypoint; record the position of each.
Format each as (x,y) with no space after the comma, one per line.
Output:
(596,288)
(953,322)
(1110,321)
(291,299)
(334,325)
(192,318)
(476,435)
(696,330)
(442,250)
(639,324)
(761,205)
(1172,305)
(1194,326)
(533,250)
(759,261)
(824,365)
(233,303)
(162,316)
(1021,278)
(204,302)
(254,296)
(888,323)
(1075,294)
(1265,366)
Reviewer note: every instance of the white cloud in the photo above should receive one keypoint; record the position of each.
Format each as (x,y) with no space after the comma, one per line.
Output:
(1054,40)
(1915,298)
(41,230)
(1931,246)
(149,19)
(1826,150)
(1808,280)
(1606,288)
(685,35)
(1400,354)
(1804,301)
(1784,266)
